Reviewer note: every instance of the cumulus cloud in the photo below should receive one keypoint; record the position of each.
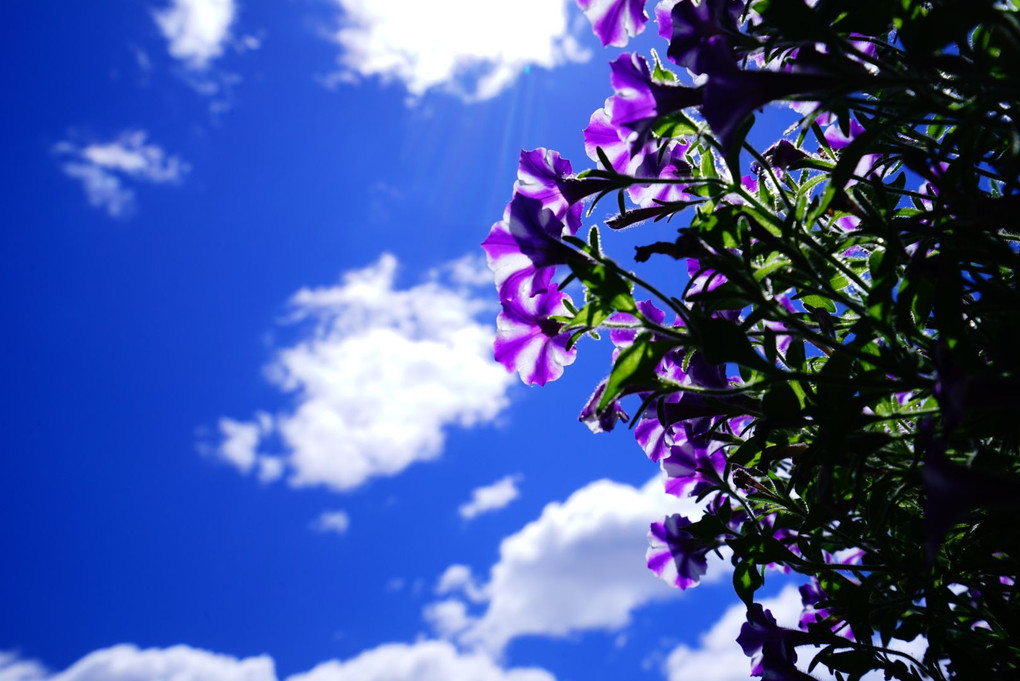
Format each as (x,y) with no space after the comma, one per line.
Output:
(108,171)
(579,566)
(12,668)
(336,522)
(129,663)
(377,379)
(420,661)
(439,44)
(196,30)
(490,497)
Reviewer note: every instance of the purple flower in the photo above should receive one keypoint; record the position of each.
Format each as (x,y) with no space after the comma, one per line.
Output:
(695,462)
(688,27)
(813,617)
(544,175)
(523,245)
(674,555)
(731,94)
(771,647)
(701,279)
(639,101)
(602,134)
(615,21)
(529,342)
(837,139)
(605,420)
(623,337)
(659,164)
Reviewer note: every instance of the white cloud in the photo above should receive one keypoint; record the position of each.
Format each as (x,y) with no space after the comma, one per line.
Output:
(469,48)
(129,663)
(490,497)
(197,30)
(108,170)
(458,578)
(448,618)
(12,668)
(336,522)
(420,661)
(380,375)
(579,566)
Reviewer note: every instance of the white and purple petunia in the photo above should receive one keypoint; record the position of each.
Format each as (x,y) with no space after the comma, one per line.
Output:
(527,242)
(615,21)
(688,26)
(639,100)
(529,342)
(674,555)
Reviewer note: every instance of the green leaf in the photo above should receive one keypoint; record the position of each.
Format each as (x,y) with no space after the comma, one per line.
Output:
(674,125)
(635,366)
(746,580)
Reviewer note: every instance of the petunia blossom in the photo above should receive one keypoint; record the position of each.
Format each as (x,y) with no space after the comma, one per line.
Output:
(526,242)
(529,342)
(674,555)
(639,101)
(771,647)
(544,175)
(605,420)
(688,26)
(615,21)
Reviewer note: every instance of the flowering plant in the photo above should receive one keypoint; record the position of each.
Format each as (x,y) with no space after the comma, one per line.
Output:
(831,366)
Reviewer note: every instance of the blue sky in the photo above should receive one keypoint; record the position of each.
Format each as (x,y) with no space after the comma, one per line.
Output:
(253,427)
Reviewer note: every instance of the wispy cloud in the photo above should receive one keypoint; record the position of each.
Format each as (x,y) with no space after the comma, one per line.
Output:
(378,376)
(196,30)
(491,497)
(465,47)
(109,171)
(577,567)
(335,522)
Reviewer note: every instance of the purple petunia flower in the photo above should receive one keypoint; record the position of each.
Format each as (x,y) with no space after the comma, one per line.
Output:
(522,246)
(544,175)
(837,139)
(674,555)
(731,93)
(770,647)
(657,163)
(604,421)
(529,342)
(621,338)
(602,134)
(695,461)
(615,21)
(639,101)
(688,26)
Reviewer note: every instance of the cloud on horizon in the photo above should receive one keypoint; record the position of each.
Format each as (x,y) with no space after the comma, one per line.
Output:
(420,661)
(426,45)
